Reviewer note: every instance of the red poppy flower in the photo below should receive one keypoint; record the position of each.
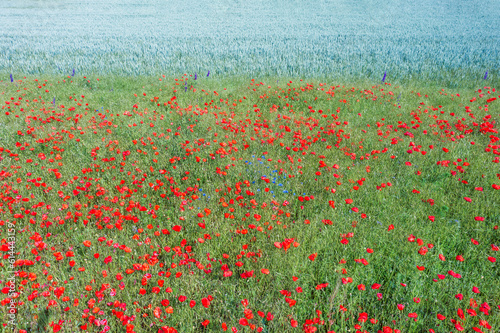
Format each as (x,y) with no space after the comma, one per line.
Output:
(205,302)
(460,313)
(363,316)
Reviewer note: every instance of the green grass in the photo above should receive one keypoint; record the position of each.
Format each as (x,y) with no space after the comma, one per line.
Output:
(163,136)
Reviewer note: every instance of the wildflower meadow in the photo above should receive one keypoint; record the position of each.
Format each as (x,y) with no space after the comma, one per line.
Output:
(191,203)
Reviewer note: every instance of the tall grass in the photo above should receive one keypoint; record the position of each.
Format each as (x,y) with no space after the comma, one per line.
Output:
(339,203)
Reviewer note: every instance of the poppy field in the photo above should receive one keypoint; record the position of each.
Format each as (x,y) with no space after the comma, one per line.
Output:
(194,203)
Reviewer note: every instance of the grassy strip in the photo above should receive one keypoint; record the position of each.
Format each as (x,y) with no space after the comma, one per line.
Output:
(249,172)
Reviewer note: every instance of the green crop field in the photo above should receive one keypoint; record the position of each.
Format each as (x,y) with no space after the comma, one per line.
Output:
(446,41)
(272,166)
